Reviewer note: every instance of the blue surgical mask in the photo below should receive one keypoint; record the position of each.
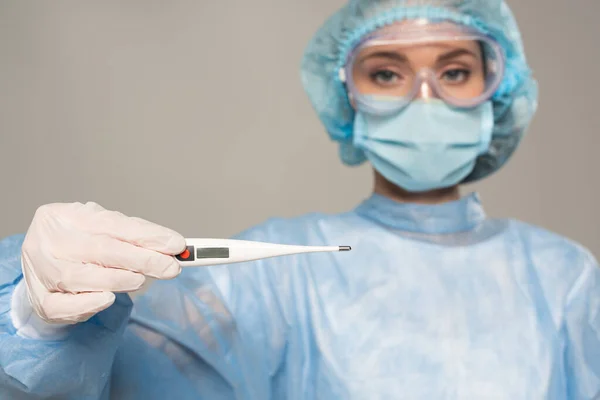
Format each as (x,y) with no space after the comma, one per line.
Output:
(428,145)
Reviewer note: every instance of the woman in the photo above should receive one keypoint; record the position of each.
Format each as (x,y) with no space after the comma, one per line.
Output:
(436,301)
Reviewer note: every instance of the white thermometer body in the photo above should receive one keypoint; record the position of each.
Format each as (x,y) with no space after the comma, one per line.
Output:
(205,252)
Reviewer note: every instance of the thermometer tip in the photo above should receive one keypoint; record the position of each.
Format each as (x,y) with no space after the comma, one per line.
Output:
(345,248)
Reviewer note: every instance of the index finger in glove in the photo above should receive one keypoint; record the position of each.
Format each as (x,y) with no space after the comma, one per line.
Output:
(113,253)
(133,230)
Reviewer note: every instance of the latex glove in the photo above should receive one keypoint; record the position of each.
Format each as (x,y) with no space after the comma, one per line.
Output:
(76,256)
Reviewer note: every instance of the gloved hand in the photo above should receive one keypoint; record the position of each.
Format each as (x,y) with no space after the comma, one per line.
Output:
(76,256)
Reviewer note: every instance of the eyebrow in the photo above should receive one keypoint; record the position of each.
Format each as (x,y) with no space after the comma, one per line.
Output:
(402,58)
(456,53)
(385,54)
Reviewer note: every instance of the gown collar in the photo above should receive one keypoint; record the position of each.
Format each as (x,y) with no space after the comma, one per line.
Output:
(446,218)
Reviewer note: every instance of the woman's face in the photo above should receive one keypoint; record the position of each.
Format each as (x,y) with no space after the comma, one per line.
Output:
(391,69)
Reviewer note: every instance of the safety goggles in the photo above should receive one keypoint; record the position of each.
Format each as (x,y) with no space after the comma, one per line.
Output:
(418,59)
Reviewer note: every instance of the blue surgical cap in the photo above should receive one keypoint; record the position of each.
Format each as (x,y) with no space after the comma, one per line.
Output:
(515,101)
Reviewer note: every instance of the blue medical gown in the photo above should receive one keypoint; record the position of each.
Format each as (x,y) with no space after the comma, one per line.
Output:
(434,302)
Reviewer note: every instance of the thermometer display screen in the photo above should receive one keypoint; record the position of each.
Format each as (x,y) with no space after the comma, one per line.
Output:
(212,252)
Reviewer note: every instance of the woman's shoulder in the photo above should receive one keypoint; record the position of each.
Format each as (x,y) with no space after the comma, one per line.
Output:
(544,240)
(556,260)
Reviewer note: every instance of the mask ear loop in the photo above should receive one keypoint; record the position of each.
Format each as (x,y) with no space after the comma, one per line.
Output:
(345,76)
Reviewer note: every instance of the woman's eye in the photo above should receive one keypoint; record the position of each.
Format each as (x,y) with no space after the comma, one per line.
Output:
(385,77)
(456,75)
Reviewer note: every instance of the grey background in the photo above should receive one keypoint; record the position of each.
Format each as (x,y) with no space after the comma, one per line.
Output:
(191,114)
